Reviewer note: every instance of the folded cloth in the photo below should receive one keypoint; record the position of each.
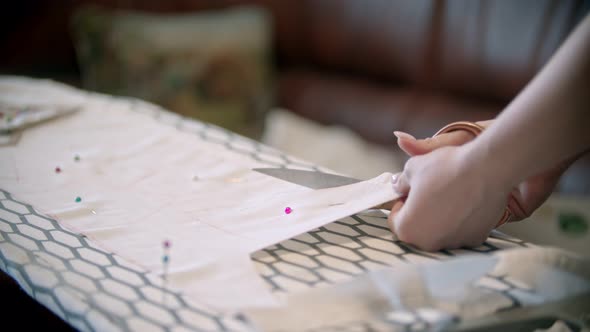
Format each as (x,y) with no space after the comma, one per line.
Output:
(23,116)
(435,296)
(21,107)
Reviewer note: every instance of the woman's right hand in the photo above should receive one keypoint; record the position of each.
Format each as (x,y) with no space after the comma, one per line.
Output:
(529,194)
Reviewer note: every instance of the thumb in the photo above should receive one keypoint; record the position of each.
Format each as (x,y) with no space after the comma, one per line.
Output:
(400,183)
(414,147)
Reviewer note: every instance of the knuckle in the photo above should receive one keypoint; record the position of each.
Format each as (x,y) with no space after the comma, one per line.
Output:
(400,228)
(403,235)
(409,234)
(406,232)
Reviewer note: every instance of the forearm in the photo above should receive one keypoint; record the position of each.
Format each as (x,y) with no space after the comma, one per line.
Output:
(547,123)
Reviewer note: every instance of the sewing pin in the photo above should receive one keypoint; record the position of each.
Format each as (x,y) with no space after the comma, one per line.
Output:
(165,261)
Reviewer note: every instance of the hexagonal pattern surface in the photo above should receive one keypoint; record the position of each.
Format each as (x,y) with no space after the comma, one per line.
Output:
(66,272)
(96,290)
(88,287)
(347,248)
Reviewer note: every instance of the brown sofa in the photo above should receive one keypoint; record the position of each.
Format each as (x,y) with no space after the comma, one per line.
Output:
(373,66)
(376,66)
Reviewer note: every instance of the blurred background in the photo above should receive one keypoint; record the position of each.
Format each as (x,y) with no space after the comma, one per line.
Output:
(324,80)
(295,73)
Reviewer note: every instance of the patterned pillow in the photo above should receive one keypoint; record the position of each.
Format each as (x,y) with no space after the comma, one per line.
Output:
(210,65)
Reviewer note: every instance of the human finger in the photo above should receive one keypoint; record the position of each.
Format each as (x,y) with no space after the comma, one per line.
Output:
(397,205)
(414,147)
(400,183)
(403,223)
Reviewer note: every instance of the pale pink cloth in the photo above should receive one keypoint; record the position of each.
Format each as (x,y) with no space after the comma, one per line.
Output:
(141,181)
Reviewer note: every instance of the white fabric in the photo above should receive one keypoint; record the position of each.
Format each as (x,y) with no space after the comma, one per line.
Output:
(136,179)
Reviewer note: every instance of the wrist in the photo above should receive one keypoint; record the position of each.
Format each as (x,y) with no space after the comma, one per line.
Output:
(477,157)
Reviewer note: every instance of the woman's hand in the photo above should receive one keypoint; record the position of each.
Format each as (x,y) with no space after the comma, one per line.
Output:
(529,195)
(449,203)
(455,194)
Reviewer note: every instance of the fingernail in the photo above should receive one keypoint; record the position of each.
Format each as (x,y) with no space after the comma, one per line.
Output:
(401,134)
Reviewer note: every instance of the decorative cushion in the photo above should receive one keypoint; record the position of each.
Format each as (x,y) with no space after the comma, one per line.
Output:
(211,65)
